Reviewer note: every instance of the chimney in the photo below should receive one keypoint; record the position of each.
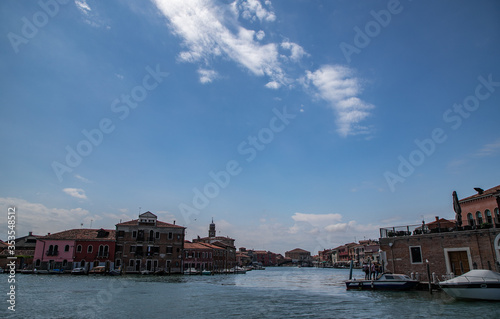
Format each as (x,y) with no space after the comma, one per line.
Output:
(437,218)
(174,222)
(30,233)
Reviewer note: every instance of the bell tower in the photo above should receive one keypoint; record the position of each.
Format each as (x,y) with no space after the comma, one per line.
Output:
(211,229)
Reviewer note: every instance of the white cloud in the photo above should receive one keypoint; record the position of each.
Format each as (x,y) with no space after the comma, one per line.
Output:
(336,85)
(296,51)
(260,35)
(317,219)
(207,76)
(489,149)
(273,85)
(253,10)
(202,27)
(83,179)
(40,219)
(83,6)
(75,192)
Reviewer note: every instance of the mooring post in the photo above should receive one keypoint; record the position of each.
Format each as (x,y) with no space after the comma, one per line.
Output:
(429,276)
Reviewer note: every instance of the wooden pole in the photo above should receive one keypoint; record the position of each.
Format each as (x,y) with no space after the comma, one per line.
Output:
(429,277)
(350,270)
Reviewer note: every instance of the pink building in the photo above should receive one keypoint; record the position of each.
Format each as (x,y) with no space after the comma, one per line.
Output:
(54,253)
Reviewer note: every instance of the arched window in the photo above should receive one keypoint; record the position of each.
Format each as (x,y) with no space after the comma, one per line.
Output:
(56,248)
(489,219)
(151,235)
(470,219)
(79,248)
(479,218)
(89,248)
(497,215)
(66,248)
(106,251)
(101,251)
(51,249)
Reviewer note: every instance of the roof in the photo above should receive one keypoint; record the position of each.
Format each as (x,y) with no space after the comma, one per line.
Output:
(486,193)
(298,250)
(83,234)
(195,246)
(134,222)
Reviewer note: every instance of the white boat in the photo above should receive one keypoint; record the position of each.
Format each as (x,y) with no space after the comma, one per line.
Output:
(206,272)
(191,271)
(476,284)
(238,270)
(383,282)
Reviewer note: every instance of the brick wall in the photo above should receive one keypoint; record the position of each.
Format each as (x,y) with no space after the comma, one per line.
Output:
(479,245)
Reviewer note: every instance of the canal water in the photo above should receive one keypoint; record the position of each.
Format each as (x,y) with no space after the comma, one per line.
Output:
(272,293)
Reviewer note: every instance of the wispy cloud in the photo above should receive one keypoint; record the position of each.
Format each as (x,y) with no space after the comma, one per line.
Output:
(210,30)
(207,76)
(337,85)
(489,149)
(75,192)
(41,219)
(83,179)
(83,6)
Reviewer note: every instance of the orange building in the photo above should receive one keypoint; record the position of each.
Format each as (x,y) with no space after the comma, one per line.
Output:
(481,210)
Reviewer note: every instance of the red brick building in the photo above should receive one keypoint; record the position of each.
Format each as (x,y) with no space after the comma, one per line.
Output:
(447,248)
(147,244)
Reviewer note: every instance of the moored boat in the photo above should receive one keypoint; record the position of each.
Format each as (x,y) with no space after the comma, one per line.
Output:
(476,284)
(78,271)
(383,282)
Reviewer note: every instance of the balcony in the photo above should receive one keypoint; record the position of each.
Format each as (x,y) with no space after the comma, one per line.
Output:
(52,253)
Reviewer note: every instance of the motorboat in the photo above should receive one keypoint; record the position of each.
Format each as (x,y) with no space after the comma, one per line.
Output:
(476,284)
(384,281)
(191,271)
(115,272)
(78,271)
(238,270)
(206,272)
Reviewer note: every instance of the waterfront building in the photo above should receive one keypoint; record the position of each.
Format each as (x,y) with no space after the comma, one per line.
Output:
(299,256)
(225,243)
(64,250)
(481,210)
(198,256)
(447,248)
(25,250)
(147,244)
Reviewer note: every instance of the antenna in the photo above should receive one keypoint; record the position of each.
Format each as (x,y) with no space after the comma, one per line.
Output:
(81,225)
(91,223)
(139,210)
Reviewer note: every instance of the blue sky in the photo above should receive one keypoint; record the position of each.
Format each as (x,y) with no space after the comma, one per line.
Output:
(301,123)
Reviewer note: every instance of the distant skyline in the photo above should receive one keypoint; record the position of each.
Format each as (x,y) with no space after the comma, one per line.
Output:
(291,123)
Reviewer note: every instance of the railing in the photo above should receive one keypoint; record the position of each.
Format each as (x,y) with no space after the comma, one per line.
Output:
(408,230)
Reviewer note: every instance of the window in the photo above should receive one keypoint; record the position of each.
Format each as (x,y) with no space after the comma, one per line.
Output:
(134,234)
(470,219)
(120,233)
(79,248)
(497,215)
(118,263)
(169,250)
(479,218)
(66,248)
(82,263)
(415,254)
(132,249)
(38,263)
(56,248)
(170,236)
(157,235)
(178,236)
(489,219)
(119,248)
(131,263)
(89,248)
